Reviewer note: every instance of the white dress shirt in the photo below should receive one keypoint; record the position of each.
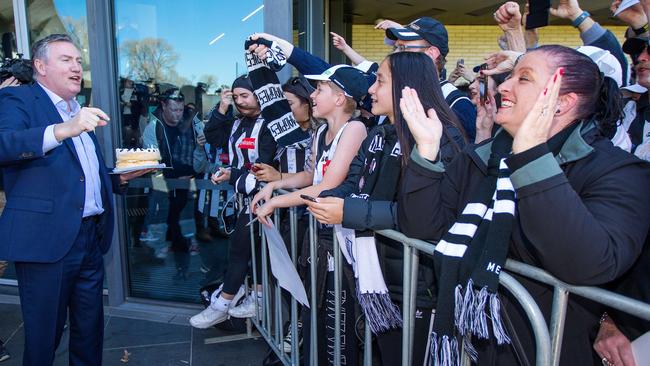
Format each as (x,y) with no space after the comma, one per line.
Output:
(85,148)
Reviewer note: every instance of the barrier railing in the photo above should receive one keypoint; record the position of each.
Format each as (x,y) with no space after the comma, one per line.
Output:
(269,322)
(547,341)
(412,249)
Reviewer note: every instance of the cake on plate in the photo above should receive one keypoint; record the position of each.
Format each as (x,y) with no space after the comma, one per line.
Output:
(132,158)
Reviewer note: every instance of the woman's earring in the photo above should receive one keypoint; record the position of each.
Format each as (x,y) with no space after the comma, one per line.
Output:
(557,111)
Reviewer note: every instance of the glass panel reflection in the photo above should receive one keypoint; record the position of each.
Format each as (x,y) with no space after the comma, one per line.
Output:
(173,59)
(7,30)
(7,51)
(46,17)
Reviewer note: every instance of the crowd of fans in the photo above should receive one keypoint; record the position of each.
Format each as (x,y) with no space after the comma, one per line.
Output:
(540,155)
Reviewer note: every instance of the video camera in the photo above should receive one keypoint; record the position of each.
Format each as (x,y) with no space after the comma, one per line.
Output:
(19,68)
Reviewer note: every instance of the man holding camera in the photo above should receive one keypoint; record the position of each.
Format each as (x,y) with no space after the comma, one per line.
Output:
(58,220)
(10,81)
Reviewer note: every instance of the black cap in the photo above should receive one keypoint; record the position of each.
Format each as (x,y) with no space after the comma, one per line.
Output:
(351,80)
(477,68)
(424,28)
(635,45)
(172,94)
(243,82)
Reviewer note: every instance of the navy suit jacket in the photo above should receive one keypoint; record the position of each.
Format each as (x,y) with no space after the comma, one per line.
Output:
(45,192)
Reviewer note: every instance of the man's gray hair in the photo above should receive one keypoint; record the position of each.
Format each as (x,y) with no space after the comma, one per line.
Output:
(40,48)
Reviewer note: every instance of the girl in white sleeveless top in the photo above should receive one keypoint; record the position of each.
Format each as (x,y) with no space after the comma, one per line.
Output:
(339,91)
(337,95)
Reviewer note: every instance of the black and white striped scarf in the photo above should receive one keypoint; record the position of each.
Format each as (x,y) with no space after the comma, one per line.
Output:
(470,257)
(468,260)
(275,108)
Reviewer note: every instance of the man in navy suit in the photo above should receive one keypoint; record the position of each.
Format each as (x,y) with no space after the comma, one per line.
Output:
(58,220)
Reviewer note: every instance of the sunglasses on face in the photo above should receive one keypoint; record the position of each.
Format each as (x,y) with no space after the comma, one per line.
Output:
(405,47)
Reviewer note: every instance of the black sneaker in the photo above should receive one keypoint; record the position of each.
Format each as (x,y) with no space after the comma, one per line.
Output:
(288,339)
(4,354)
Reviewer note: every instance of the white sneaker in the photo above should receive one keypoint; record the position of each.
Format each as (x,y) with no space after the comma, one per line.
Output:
(162,253)
(147,236)
(247,309)
(208,318)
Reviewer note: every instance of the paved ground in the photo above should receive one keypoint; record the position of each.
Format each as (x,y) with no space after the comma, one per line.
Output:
(149,343)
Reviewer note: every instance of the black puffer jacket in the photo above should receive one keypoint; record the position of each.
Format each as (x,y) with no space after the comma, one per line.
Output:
(362,215)
(582,216)
(633,284)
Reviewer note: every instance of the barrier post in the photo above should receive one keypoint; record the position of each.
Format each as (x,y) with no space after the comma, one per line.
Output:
(406,305)
(254,258)
(337,301)
(265,285)
(542,339)
(295,336)
(367,343)
(314,301)
(558,321)
(415,263)
(278,297)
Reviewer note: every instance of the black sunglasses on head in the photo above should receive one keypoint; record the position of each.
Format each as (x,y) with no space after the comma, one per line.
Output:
(302,83)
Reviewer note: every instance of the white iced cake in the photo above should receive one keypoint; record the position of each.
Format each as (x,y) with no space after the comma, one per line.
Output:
(128,158)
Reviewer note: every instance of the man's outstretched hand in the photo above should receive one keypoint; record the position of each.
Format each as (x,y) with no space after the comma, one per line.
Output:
(125,177)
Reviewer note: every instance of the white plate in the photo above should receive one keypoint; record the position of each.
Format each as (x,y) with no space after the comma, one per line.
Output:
(140,167)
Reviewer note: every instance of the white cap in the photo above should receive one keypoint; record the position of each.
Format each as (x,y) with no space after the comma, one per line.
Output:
(607,63)
(624,5)
(365,66)
(635,88)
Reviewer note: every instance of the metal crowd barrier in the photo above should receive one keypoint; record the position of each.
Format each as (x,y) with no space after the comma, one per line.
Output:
(548,342)
(270,323)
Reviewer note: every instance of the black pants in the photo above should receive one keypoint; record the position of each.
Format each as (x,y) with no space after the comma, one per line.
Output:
(326,323)
(177,201)
(390,343)
(240,254)
(302,226)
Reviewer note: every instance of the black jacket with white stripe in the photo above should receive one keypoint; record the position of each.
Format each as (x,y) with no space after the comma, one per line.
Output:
(220,132)
(581,215)
(361,215)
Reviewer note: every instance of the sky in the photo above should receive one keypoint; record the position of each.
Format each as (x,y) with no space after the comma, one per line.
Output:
(188,26)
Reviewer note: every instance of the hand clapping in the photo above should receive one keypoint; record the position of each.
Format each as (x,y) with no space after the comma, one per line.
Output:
(537,124)
(426,128)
